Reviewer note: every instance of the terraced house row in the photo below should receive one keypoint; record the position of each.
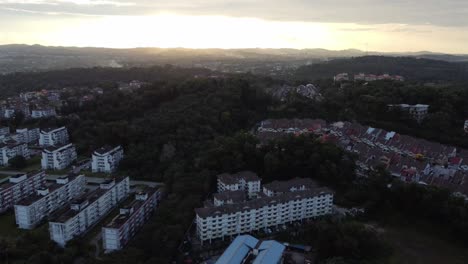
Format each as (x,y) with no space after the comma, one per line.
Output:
(408,158)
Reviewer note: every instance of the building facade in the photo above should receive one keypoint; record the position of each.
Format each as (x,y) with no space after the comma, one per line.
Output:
(19,187)
(53,136)
(26,135)
(87,210)
(106,159)
(130,219)
(30,211)
(245,181)
(58,158)
(4,131)
(43,113)
(261,213)
(11,149)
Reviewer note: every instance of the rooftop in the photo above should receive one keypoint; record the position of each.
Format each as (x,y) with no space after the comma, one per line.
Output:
(286,186)
(235,196)
(106,149)
(52,129)
(234,178)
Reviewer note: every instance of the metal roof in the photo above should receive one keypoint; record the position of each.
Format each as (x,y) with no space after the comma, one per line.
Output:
(269,252)
(238,250)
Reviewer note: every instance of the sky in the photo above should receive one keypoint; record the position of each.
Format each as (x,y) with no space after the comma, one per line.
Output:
(374,25)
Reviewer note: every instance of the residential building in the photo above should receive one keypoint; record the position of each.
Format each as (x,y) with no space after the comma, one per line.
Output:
(106,159)
(87,210)
(26,135)
(4,131)
(58,158)
(9,113)
(19,187)
(419,111)
(237,218)
(341,77)
(246,249)
(10,149)
(466,126)
(245,180)
(117,233)
(53,136)
(43,112)
(276,188)
(30,211)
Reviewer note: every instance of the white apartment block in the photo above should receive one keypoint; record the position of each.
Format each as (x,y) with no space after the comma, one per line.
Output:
(298,184)
(26,135)
(19,187)
(30,211)
(466,126)
(87,210)
(117,233)
(58,158)
(262,213)
(9,113)
(43,113)
(53,136)
(245,181)
(106,159)
(11,149)
(418,112)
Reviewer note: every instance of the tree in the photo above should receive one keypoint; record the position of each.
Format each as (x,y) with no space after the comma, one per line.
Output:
(18,162)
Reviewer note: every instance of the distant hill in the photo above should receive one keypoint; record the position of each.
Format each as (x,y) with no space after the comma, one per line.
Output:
(411,68)
(23,58)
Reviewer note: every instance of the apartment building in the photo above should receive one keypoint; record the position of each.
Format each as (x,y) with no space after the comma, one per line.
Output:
(53,136)
(10,149)
(106,159)
(117,233)
(58,158)
(30,211)
(87,210)
(276,188)
(245,181)
(418,112)
(227,220)
(25,135)
(466,126)
(43,112)
(19,187)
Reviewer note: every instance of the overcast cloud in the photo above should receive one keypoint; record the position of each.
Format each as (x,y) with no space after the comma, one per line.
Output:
(452,13)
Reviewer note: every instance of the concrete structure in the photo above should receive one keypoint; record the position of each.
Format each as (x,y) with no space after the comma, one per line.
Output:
(26,135)
(43,112)
(19,187)
(87,210)
(249,250)
(58,158)
(106,159)
(418,112)
(11,149)
(30,211)
(242,217)
(245,180)
(53,136)
(117,233)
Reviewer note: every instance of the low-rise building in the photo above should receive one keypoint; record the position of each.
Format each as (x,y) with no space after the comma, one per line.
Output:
(58,158)
(10,149)
(230,219)
(19,187)
(341,77)
(53,136)
(117,233)
(30,211)
(249,250)
(43,112)
(87,210)
(106,159)
(245,180)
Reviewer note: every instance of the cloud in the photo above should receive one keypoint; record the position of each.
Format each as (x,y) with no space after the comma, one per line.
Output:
(365,12)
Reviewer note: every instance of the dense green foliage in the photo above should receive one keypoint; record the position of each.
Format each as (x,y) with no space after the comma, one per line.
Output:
(410,68)
(18,162)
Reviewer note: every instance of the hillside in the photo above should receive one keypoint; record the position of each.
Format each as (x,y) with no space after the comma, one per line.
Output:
(411,68)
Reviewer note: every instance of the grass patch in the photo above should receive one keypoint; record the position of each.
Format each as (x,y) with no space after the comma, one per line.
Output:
(8,228)
(413,244)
